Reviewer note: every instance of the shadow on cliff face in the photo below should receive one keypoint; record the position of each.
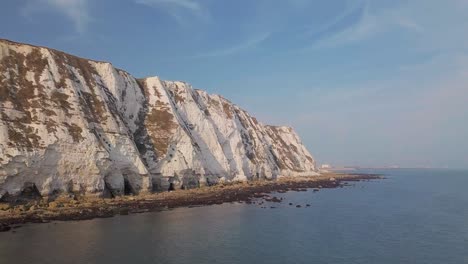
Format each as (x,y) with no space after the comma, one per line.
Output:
(108,191)
(141,138)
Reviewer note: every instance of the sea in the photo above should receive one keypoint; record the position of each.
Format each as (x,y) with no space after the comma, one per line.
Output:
(412,216)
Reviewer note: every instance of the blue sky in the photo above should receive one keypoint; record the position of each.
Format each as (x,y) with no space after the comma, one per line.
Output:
(371,83)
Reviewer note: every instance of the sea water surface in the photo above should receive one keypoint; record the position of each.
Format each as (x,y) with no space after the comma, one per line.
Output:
(412,216)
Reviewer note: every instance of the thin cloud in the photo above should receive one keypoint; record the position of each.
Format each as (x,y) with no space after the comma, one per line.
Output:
(75,10)
(367,25)
(409,24)
(187,4)
(370,24)
(246,45)
(174,7)
(349,10)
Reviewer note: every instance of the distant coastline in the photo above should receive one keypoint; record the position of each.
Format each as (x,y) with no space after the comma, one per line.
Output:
(355,168)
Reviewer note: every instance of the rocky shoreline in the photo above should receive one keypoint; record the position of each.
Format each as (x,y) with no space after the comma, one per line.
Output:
(66,208)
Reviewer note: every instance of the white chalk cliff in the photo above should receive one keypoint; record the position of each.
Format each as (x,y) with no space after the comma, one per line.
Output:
(69,124)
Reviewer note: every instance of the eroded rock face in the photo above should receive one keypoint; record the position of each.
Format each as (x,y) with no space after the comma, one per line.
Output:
(69,124)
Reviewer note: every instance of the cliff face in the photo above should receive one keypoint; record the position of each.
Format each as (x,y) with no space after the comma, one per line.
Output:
(69,124)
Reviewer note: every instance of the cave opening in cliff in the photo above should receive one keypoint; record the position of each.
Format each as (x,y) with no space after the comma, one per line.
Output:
(30,191)
(128,190)
(107,193)
(171,187)
(155,187)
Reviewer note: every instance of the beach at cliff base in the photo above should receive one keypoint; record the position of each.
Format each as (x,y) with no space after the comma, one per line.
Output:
(71,207)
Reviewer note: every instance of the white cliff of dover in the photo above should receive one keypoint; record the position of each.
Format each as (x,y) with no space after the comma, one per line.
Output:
(69,124)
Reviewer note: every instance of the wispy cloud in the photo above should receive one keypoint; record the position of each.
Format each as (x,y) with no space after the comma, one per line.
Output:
(352,7)
(188,4)
(174,7)
(371,23)
(247,44)
(409,24)
(75,10)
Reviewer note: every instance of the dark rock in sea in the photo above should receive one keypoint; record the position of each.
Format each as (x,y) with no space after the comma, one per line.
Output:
(273,199)
(298,206)
(308,205)
(4,228)
(124,211)
(290,204)
(138,211)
